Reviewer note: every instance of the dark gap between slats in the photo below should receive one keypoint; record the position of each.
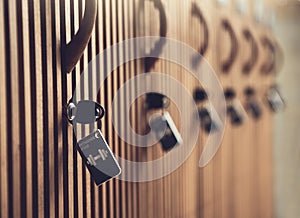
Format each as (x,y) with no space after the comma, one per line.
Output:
(91,127)
(45,109)
(33,109)
(107,199)
(125,191)
(128,149)
(22,111)
(100,188)
(111,86)
(127,77)
(137,106)
(55,104)
(84,200)
(9,109)
(119,204)
(75,169)
(64,121)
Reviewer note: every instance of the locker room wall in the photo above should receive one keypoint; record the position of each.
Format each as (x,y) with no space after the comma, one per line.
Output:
(286,138)
(42,174)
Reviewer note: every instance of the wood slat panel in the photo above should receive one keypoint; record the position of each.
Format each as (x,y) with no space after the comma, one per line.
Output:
(50,155)
(57,77)
(3,118)
(78,178)
(42,174)
(13,127)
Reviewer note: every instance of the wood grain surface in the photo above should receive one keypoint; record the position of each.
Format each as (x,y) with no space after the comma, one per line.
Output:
(43,175)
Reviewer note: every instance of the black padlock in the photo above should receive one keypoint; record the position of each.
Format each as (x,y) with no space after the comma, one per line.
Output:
(156,101)
(166,131)
(252,106)
(199,95)
(254,109)
(207,121)
(229,94)
(93,148)
(234,108)
(235,117)
(84,112)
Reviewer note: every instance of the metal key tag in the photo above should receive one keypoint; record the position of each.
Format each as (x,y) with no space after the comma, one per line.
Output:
(209,118)
(275,99)
(98,158)
(166,131)
(236,112)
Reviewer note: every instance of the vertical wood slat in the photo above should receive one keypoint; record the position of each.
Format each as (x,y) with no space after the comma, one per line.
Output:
(242,152)
(86,130)
(169,208)
(149,198)
(218,165)
(129,74)
(39,108)
(67,131)
(68,145)
(261,135)
(133,66)
(49,80)
(142,187)
(93,95)
(108,96)
(3,119)
(237,152)
(87,94)
(121,37)
(264,149)
(125,149)
(127,71)
(227,147)
(13,113)
(176,179)
(133,114)
(79,168)
(195,39)
(97,190)
(58,103)
(114,86)
(208,177)
(102,96)
(84,180)
(48,115)
(32,91)
(21,108)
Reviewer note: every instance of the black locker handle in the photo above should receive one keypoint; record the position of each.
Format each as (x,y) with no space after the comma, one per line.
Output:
(72,52)
(248,66)
(150,61)
(162,18)
(270,65)
(198,13)
(227,64)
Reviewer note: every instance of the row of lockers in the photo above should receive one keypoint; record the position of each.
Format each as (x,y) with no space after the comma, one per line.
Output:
(42,172)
